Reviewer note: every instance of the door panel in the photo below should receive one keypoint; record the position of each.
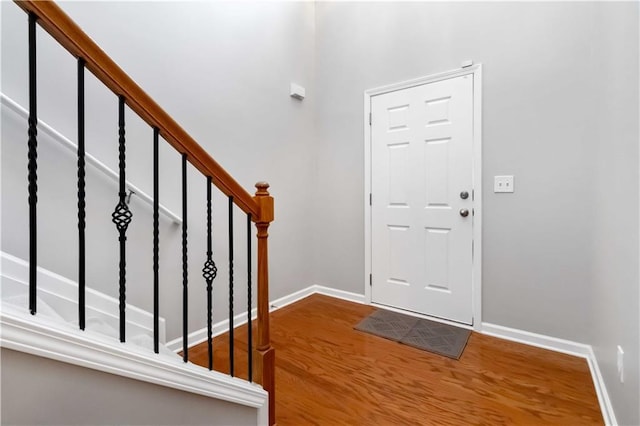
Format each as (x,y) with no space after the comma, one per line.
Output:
(421,161)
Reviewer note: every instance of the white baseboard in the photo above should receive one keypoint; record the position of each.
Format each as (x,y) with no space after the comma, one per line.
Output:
(221,327)
(291,298)
(199,336)
(564,346)
(340,294)
(537,340)
(601,390)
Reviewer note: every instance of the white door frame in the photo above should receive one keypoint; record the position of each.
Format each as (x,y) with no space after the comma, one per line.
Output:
(476,72)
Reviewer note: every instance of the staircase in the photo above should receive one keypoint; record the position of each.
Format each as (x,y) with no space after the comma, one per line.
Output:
(47,315)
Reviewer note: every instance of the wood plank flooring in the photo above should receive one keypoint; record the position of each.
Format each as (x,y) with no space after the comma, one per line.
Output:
(329,374)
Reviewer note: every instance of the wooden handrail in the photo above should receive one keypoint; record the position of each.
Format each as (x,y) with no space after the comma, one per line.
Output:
(66,32)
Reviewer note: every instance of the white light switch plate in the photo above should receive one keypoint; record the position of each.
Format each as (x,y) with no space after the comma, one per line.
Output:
(503,184)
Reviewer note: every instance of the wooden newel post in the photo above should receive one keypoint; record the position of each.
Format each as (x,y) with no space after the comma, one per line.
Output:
(264,353)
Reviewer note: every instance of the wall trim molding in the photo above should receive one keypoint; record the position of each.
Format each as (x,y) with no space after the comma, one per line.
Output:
(606,406)
(564,346)
(538,340)
(34,335)
(221,327)
(341,294)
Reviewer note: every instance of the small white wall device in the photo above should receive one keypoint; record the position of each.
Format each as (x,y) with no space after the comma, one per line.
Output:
(297,91)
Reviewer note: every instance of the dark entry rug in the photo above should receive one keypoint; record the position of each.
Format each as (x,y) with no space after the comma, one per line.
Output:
(431,336)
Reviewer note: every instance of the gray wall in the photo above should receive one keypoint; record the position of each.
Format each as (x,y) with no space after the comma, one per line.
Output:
(222,70)
(615,226)
(66,394)
(560,113)
(537,126)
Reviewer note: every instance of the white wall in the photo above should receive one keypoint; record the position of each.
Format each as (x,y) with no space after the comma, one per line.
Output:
(564,237)
(222,70)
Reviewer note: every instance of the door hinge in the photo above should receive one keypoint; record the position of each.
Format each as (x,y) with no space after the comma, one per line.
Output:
(370,199)
(370,119)
(370,280)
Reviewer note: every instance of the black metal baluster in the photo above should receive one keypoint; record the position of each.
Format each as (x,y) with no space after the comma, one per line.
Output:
(122,216)
(250,327)
(209,273)
(33,165)
(81,199)
(231,286)
(156,243)
(185,272)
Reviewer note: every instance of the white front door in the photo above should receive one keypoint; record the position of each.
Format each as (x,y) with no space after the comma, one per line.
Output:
(422,207)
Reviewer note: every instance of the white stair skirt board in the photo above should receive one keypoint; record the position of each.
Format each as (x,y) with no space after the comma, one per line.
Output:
(53,333)
(222,327)
(564,346)
(63,342)
(62,295)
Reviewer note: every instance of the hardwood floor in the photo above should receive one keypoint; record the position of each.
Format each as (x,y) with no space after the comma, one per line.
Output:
(329,374)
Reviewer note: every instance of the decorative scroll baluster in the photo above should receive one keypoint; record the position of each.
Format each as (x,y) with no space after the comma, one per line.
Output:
(185,271)
(81,199)
(231,286)
(122,216)
(209,273)
(249,325)
(156,243)
(33,165)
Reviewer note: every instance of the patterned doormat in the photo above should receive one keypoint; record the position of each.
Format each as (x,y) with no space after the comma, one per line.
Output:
(420,333)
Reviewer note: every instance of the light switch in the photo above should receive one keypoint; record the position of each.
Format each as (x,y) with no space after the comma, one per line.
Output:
(503,184)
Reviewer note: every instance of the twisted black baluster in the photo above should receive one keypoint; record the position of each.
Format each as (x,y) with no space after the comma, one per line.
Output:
(81,198)
(156,243)
(250,328)
(122,216)
(209,273)
(185,272)
(231,286)
(33,165)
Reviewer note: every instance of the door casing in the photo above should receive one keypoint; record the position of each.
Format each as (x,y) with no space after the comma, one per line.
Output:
(476,273)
